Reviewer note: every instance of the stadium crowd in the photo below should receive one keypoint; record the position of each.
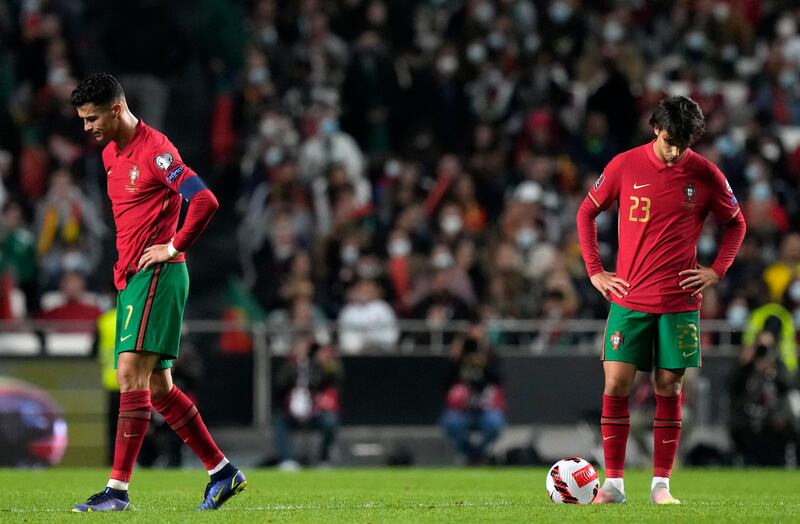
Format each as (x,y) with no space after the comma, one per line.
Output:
(387,159)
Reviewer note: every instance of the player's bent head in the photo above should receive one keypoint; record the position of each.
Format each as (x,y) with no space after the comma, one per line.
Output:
(681,118)
(100,89)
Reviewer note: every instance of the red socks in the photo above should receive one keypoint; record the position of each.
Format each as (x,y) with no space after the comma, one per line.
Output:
(183,417)
(134,419)
(615,425)
(666,434)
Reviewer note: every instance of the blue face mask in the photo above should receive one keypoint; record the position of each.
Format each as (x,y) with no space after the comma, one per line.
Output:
(560,12)
(328,126)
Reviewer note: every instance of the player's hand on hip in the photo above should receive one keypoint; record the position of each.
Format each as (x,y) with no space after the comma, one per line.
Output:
(154,255)
(698,279)
(608,283)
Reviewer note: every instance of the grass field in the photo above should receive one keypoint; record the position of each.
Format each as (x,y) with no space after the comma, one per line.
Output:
(401,495)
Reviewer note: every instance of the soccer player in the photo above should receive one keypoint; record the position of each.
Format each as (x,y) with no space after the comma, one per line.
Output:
(665,191)
(146,181)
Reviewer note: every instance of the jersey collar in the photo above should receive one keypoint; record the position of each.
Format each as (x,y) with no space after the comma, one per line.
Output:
(137,135)
(680,165)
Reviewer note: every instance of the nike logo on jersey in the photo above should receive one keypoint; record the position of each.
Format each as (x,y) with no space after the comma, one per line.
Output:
(126,337)
(685,354)
(606,438)
(668,441)
(127,435)
(637,186)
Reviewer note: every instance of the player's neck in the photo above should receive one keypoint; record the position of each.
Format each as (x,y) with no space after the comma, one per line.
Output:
(127,129)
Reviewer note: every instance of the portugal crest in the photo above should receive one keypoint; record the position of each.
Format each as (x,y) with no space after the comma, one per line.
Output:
(690,192)
(616,339)
(133,175)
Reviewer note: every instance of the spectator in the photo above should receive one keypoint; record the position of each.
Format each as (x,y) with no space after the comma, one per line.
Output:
(367,321)
(475,400)
(69,230)
(18,253)
(762,423)
(785,271)
(71,302)
(307,395)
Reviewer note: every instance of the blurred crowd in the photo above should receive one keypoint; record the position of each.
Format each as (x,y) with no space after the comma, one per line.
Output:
(384,159)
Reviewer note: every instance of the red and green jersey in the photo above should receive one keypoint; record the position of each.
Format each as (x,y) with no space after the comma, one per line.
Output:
(662,209)
(146,180)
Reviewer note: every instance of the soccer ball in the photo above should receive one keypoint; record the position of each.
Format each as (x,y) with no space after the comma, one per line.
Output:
(572,481)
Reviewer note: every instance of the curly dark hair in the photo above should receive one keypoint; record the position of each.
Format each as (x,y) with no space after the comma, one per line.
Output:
(99,89)
(681,118)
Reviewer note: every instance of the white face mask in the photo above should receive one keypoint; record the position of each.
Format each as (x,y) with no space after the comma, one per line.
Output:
(451,224)
(349,254)
(442,260)
(447,65)
(399,248)
(707,245)
(527,237)
(794,291)
(737,316)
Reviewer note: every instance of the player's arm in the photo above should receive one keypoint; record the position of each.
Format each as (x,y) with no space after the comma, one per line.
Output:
(726,208)
(604,191)
(202,206)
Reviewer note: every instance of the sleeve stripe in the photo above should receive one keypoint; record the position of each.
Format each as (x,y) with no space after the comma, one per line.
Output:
(191,186)
(738,210)
(596,202)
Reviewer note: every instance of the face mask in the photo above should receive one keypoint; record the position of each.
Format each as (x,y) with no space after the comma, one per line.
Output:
(696,41)
(726,146)
(707,245)
(770,150)
(560,12)
(399,248)
(613,32)
(737,316)
(447,65)
(761,192)
(655,82)
(484,13)
(392,168)
(258,76)
(708,87)
(786,27)
(753,172)
(349,254)
(442,260)
(794,291)
(273,156)
(527,237)
(283,251)
(476,53)
(451,224)
(328,126)
(496,40)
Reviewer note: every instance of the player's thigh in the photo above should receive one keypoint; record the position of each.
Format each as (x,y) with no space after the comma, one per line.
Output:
(132,303)
(629,337)
(678,341)
(164,316)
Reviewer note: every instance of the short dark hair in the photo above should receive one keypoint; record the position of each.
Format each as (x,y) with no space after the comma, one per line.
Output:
(99,89)
(681,118)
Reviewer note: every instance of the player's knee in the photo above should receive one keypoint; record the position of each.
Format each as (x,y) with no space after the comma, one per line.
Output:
(617,387)
(130,378)
(667,388)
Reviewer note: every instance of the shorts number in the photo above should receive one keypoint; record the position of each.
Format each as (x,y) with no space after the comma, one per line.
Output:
(687,337)
(644,209)
(127,320)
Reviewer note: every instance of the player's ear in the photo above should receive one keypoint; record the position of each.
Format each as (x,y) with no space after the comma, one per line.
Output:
(116,109)
(656,130)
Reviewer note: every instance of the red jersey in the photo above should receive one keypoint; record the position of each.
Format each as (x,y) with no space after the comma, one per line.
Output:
(661,213)
(143,180)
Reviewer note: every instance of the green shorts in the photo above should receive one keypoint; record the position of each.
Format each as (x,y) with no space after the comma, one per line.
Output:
(666,340)
(150,312)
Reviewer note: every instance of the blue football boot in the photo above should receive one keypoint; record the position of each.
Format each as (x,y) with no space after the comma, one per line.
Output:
(217,493)
(103,501)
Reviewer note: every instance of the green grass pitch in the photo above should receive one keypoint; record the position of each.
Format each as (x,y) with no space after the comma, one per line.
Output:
(401,495)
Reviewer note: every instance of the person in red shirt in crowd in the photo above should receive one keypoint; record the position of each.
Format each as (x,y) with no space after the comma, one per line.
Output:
(665,191)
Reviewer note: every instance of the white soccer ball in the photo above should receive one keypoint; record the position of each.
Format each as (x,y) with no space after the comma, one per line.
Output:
(572,481)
